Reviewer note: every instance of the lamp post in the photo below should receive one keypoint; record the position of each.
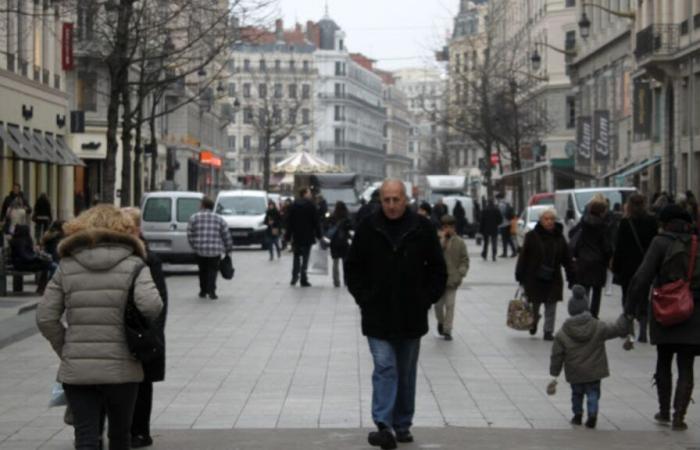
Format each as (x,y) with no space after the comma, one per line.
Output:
(536,59)
(584,24)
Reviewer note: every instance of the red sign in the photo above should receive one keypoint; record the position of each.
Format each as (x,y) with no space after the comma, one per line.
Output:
(495,159)
(209,159)
(67,61)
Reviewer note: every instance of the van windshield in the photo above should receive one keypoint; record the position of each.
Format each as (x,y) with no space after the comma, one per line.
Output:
(347,196)
(615,197)
(241,206)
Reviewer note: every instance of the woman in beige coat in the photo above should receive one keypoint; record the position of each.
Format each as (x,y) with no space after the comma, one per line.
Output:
(98,260)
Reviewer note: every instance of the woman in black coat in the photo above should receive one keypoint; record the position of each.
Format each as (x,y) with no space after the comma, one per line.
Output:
(273,220)
(663,263)
(42,215)
(591,250)
(461,216)
(634,235)
(538,270)
(340,239)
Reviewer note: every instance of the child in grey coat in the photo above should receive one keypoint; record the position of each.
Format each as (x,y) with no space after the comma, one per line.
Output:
(579,347)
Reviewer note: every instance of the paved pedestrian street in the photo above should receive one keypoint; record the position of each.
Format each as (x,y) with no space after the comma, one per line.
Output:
(270,366)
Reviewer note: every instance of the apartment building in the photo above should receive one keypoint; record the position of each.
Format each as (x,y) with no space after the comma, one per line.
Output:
(35,149)
(397,130)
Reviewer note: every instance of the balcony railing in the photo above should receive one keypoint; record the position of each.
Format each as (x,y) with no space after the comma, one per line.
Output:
(657,40)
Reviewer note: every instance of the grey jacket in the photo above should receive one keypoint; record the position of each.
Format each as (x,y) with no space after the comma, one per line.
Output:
(579,346)
(91,286)
(456,259)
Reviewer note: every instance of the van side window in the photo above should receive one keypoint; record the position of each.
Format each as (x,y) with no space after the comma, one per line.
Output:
(157,210)
(186,207)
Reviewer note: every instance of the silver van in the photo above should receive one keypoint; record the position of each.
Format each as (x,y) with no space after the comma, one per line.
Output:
(164,217)
(571,203)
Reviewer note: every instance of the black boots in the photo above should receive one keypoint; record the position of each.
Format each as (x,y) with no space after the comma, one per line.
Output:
(684,390)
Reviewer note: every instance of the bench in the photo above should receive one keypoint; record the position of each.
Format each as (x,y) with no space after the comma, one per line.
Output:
(6,270)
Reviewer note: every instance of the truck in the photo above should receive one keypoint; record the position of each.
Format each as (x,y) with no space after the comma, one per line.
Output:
(336,187)
(445,185)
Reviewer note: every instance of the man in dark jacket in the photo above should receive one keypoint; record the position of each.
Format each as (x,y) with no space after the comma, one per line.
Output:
(491,219)
(395,271)
(368,209)
(303,229)
(14,193)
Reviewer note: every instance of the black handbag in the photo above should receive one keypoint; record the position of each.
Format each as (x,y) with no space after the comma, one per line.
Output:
(142,336)
(226,267)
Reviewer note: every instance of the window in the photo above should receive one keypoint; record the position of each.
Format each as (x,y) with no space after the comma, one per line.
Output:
(262,116)
(306,66)
(570,40)
(232,89)
(570,112)
(292,116)
(338,112)
(305,116)
(278,65)
(276,115)
(338,136)
(570,3)
(246,65)
(262,144)
(263,65)
(338,90)
(87,91)
(278,90)
(338,68)
(305,91)
(157,210)
(292,65)
(246,90)
(232,143)
(186,207)
(248,115)
(292,91)
(246,165)
(246,143)
(262,90)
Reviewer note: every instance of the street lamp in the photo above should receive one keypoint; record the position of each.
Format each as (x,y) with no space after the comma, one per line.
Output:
(536,60)
(585,24)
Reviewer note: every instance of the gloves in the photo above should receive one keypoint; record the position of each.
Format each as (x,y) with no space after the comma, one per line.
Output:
(552,387)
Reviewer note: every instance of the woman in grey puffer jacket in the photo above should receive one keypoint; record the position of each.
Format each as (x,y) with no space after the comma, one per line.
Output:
(98,260)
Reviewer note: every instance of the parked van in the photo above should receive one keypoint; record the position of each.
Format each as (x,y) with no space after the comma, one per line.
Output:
(468,204)
(244,212)
(571,203)
(164,217)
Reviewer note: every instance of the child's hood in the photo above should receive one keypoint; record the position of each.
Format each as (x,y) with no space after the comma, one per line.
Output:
(580,327)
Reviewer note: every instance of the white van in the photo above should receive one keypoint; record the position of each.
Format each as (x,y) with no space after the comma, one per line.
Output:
(468,204)
(244,212)
(571,203)
(164,217)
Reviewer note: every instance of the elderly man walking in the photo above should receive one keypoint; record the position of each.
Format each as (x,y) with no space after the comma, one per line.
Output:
(395,271)
(209,237)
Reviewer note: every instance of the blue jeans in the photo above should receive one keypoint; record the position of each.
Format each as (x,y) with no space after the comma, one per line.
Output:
(394,382)
(592,393)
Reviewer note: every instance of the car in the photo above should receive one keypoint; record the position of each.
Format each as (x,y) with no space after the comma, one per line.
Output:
(571,203)
(164,218)
(528,219)
(244,213)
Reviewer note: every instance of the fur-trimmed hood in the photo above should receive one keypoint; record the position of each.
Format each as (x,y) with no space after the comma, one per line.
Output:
(100,249)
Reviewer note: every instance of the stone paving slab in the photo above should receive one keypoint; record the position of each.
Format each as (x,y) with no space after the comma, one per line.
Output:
(267,356)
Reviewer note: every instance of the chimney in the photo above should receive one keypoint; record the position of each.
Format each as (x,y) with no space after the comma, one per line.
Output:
(279,29)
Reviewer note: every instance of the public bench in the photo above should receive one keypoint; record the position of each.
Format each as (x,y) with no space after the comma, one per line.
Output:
(6,270)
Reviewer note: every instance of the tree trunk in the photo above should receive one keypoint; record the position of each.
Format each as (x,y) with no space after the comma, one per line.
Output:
(266,162)
(118,67)
(154,147)
(138,152)
(127,125)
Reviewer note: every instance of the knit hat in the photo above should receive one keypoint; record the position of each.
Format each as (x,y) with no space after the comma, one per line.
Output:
(448,220)
(578,303)
(674,212)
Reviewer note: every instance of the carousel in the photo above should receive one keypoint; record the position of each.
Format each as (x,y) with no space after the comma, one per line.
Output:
(288,172)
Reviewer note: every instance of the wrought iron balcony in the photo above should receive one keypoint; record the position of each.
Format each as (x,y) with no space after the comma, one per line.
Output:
(657,40)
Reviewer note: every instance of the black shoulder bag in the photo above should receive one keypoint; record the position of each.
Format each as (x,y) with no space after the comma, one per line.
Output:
(142,336)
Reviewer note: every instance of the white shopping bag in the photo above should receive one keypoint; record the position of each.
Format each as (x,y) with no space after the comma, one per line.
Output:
(318,261)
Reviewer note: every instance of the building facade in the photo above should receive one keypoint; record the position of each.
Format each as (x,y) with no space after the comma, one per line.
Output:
(397,131)
(35,148)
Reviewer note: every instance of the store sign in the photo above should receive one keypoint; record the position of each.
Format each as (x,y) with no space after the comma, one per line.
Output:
(67,58)
(584,142)
(642,108)
(601,135)
(209,159)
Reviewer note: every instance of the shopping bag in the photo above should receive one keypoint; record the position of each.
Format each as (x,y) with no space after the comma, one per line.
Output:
(58,397)
(226,267)
(520,316)
(318,261)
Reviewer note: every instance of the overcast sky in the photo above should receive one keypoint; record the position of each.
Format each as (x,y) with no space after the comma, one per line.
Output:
(398,33)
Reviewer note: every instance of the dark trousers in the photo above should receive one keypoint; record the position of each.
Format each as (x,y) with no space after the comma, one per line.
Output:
(507,239)
(685,359)
(494,245)
(87,402)
(141,424)
(208,270)
(641,314)
(592,393)
(273,243)
(594,292)
(301,262)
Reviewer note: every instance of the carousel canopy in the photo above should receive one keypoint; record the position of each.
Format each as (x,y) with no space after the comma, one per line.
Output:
(304,162)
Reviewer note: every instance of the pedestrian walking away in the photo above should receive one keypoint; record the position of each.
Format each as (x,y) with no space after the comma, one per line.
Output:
(636,231)
(491,218)
(273,221)
(339,236)
(504,229)
(591,250)
(395,271)
(41,216)
(154,370)
(99,258)
(303,228)
(538,269)
(210,238)
(579,348)
(15,193)
(457,262)
(667,260)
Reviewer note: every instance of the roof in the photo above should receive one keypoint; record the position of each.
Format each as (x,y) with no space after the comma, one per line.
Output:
(242,193)
(173,194)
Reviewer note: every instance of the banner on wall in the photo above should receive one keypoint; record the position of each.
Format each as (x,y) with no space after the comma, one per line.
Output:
(584,141)
(601,135)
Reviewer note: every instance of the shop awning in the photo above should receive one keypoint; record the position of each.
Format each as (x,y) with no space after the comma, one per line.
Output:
(618,170)
(527,170)
(41,145)
(67,156)
(13,144)
(572,174)
(638,168)
(17,139)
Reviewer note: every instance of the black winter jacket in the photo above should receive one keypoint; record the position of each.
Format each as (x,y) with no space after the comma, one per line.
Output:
(491,219)
(628,256)
(303,227)
(395,282)
(592,251)
(155,370)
